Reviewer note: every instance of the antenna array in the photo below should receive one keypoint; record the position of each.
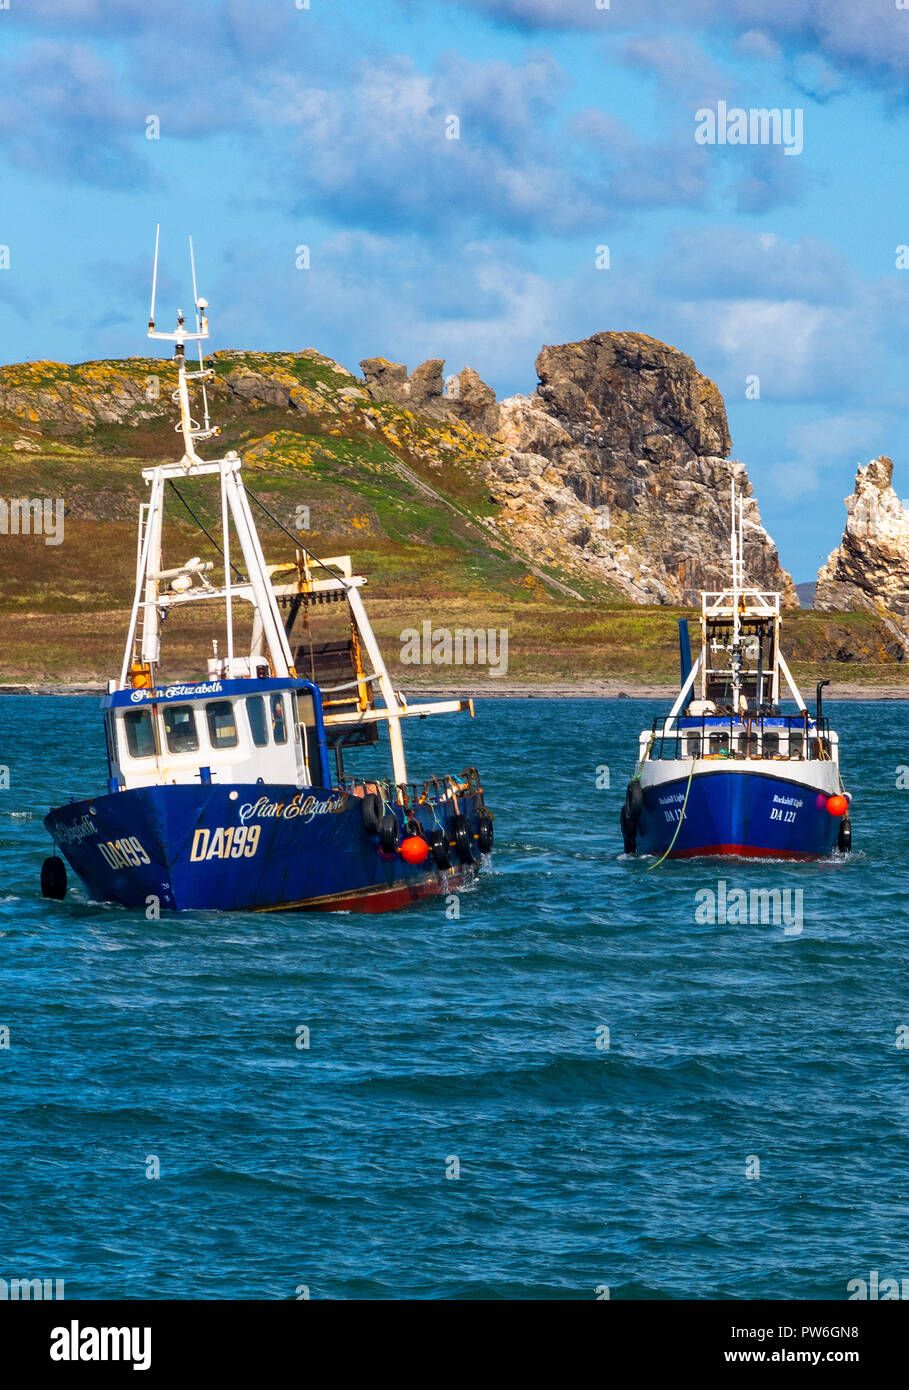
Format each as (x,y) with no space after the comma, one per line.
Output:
(189,428)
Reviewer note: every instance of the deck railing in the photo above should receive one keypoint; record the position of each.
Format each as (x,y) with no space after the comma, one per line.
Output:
(789,737)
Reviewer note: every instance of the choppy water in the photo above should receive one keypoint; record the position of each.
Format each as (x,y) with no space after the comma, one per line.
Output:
(476,1039)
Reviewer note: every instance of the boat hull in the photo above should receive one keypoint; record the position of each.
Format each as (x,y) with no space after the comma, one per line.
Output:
(737,811)
(254,848)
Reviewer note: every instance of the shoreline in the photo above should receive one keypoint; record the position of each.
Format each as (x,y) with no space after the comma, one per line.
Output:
(495,690)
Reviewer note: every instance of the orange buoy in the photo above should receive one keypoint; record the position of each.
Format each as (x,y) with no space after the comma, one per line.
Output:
(414,849)
(837,805)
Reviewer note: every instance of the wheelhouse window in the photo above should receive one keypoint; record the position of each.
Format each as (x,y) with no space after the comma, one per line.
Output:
(180,729)
(140,733)
(258,724)
(278,720)
(222,727)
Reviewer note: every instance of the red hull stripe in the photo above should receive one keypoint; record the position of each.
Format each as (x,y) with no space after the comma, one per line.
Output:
(744,852)
(386,897)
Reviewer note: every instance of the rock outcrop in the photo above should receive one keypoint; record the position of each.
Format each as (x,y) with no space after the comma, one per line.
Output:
(620,455)
(461,397)
(66,400)
(71,400)
(617,465)
(870,567)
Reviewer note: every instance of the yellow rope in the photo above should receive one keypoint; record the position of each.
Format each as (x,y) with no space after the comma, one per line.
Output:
(639,768)
(679,825)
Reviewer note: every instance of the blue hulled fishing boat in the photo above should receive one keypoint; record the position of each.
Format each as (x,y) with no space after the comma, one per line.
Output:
(727,771)
(230,791)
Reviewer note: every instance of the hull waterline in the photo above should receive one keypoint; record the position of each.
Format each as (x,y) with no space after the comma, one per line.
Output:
(253,848)
(753,815)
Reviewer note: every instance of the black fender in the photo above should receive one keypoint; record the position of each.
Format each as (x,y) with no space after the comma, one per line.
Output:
(485,833)
(438,846)
(634,799)
(53,878)
(460,834)
(372,810)
(389,832)
(629,831)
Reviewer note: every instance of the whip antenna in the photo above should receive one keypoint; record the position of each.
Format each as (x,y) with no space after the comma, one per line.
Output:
(192,266)
(151,312)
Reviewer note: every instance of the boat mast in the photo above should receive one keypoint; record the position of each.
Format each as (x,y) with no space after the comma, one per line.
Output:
(158,591)
(148,601)
(737,581)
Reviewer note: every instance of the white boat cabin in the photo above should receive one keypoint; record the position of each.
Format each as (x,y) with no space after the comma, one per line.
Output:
(237,731)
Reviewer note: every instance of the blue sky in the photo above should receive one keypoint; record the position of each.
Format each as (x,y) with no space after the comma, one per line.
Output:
(326,126)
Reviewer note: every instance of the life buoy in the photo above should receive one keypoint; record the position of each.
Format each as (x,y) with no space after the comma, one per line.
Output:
(372,809)
(460,833)
(53,878)
(439,847)
(388,833)
(485,834)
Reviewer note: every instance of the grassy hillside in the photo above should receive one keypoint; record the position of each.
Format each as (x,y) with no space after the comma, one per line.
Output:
(404,494)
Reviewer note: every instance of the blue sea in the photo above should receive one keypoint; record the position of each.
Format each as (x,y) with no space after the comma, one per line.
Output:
(458,1127)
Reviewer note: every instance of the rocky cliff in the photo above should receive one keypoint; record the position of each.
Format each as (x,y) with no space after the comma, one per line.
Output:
(870,567)
(621,453)
(612,474)
(617,463)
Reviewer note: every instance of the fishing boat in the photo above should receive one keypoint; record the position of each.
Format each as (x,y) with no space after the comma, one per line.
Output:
(226,787)
(727,771)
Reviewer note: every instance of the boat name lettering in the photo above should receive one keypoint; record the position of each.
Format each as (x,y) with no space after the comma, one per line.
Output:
(668,800)
(788,801)
(168,692)
(77,832)
(210,688)
(306,806)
